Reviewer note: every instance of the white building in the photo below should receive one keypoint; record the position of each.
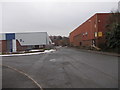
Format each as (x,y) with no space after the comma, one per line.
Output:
(12,42)
(34,38)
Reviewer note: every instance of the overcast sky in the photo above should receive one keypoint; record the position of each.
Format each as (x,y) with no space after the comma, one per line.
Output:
(56,18)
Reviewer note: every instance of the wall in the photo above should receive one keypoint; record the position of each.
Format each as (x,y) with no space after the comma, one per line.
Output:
(102,22)
(19,47)
(24,41)
(86,31)
(77,40)
(37,38)
(0,46)
(2,36)
(3,46)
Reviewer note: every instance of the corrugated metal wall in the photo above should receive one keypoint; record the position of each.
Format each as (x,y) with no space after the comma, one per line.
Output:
(37,38)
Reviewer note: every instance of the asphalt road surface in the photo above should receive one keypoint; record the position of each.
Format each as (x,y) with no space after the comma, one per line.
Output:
(64,68)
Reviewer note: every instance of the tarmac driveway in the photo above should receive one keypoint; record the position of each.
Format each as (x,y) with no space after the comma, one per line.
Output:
(64,68)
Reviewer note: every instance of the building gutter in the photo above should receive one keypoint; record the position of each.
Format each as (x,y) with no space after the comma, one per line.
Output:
(97,24)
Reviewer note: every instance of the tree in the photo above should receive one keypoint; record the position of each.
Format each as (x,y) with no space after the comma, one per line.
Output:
(113,30)
(60,40)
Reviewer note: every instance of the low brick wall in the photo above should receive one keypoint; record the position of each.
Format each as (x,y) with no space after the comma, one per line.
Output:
(3,46)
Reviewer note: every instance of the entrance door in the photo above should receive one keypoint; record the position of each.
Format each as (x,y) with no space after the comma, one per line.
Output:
(80,43)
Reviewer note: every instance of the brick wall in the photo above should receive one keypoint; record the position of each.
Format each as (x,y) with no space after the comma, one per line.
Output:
(3,47)
(19,47)
(96,23)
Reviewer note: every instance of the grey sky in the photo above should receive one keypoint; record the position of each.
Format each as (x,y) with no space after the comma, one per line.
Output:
(56,18)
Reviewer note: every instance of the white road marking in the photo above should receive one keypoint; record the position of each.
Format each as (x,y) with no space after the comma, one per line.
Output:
(23,73)
(52,60)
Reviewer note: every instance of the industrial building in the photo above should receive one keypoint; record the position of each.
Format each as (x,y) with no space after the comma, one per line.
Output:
(91,32)
(13,42)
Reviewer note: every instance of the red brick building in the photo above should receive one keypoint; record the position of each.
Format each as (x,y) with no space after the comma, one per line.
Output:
(90,32)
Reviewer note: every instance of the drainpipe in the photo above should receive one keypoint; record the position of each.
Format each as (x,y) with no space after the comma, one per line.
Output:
(96,47)
(46,38)
(96,29)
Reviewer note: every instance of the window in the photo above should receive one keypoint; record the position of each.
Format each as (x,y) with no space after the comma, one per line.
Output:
(20,40)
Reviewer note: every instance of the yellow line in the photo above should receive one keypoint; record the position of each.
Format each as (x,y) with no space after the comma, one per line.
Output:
(23,73)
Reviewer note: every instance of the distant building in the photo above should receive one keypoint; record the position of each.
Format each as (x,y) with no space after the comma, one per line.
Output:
(91,32)
(13,42)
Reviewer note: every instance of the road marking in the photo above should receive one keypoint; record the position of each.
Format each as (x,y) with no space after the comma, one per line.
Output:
(52,60)
(23,73)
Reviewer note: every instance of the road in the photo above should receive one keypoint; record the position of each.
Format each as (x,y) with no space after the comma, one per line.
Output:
(64,68)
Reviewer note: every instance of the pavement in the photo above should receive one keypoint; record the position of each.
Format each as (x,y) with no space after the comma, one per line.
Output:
(99,52)
(64,68)
(30,53)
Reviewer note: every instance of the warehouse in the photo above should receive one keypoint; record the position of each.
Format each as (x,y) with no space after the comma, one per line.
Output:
(13,42)
(91,32)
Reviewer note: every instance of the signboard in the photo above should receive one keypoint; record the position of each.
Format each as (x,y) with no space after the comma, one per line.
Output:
(95,34)
(100,34)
